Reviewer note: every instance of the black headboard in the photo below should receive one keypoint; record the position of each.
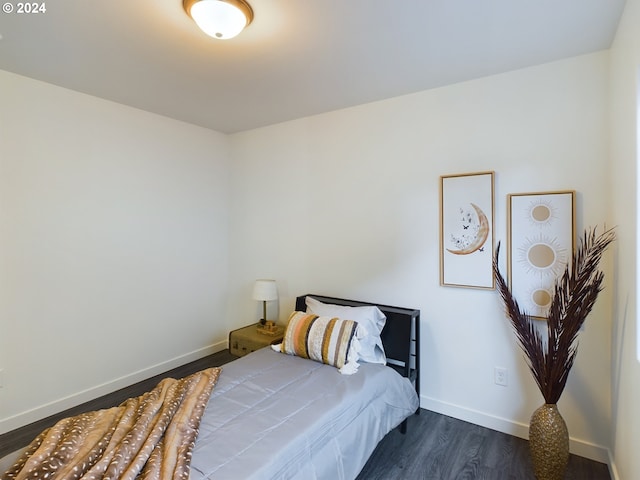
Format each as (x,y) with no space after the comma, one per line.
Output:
(400,334)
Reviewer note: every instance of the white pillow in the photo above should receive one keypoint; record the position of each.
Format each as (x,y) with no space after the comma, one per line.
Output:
(370,324)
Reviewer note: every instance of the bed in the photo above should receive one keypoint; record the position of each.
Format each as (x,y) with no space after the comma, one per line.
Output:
(273,415)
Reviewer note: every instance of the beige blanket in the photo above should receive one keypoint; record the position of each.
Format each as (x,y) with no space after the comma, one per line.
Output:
(148,437)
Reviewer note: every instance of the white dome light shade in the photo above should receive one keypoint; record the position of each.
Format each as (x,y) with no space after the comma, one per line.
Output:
(222,19)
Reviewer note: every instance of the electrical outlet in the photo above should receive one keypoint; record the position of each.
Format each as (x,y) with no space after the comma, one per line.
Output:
(500,376)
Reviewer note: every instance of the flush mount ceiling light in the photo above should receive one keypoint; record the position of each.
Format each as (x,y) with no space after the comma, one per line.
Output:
(221,19)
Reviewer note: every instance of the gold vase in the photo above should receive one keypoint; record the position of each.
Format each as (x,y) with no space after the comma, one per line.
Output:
(549,443)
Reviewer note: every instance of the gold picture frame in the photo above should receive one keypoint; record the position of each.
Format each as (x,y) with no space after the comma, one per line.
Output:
(541,240)
(466,230)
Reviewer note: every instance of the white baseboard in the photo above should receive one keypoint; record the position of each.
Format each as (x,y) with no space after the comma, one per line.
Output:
(43,411)
(613,471)
(576,446)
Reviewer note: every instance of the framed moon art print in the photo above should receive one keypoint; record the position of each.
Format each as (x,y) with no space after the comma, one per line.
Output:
(466,230)
(541,239)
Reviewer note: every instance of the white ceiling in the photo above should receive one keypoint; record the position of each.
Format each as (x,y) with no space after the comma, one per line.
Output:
(297,58)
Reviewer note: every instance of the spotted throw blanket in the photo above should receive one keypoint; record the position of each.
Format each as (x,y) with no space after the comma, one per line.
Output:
(148,437)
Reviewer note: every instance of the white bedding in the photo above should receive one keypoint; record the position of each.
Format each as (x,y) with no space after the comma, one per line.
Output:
(275,416)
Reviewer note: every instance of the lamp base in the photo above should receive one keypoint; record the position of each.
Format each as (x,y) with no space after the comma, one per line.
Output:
(267,327)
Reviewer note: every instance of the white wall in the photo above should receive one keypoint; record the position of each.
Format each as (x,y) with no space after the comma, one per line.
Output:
(625,85)
(346,204)
(114,220)
(113,246)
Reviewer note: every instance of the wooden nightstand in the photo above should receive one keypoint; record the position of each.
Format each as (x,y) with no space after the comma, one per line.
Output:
(247,339)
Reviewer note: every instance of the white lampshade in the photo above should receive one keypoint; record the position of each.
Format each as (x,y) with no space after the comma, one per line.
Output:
(265,290)
(221,19)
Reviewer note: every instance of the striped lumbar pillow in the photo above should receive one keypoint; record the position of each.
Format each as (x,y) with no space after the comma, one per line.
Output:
(323,339)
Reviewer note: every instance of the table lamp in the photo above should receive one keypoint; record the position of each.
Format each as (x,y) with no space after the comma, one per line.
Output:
(265,291)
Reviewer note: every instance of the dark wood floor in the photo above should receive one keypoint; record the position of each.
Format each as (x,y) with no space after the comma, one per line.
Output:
(435,447)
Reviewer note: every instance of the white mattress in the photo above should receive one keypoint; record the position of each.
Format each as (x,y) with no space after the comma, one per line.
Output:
(274,416)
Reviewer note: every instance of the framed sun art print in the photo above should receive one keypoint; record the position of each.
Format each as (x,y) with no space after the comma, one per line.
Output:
(466,230)
(541,239)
